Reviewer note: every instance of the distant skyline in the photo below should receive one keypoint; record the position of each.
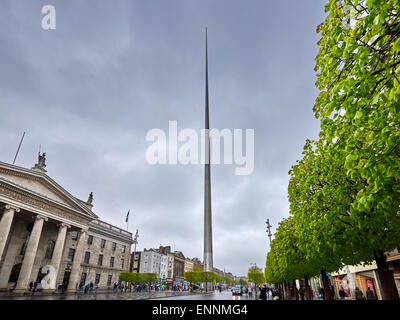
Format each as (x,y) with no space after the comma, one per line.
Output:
(89,91)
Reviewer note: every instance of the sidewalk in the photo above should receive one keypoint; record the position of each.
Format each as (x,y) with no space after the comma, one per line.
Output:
(102,295)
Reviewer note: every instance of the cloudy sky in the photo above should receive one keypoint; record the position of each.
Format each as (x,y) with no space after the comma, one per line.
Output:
(89,91)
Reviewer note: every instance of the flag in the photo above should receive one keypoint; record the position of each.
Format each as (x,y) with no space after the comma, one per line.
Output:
(127,215)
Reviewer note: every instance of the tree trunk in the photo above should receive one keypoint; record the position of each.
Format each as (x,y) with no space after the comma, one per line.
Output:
(289,291)
(386,278)
(283,291)
(327,287)
(307,287)
(295,291)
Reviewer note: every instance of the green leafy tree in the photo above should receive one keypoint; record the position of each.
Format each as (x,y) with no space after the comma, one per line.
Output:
(358,68)
(256,276)
(345,194)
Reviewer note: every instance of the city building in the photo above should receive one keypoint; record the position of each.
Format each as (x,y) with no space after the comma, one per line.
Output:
(189,265)
(48,234)
(363,277)
(179,268)
(169,265)
(152,261)
(197,263)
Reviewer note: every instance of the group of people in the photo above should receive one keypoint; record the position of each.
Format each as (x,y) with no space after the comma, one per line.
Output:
(33,286)
(266,291)
(369,294)
(88,288)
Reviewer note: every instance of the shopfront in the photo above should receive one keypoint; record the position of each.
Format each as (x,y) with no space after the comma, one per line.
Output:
(366,280)
(342,283)
(394,264)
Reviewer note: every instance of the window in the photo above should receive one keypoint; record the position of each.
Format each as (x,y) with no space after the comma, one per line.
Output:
(97,281)
(25,244)
(50,249)
(100,263)
(74,235)
(123,249)
(71,255)
(103,243)
(122,263)
(114,246)
(112,262)
(90,240)
(87,257)
(109,279)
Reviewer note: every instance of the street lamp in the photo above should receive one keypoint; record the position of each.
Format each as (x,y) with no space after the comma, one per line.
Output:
(135,241)
(269,231)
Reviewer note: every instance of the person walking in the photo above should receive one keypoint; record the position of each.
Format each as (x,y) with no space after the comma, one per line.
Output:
(342,293)
(370,295)
(359,294)
(34,287)
(263,292)
(302,292)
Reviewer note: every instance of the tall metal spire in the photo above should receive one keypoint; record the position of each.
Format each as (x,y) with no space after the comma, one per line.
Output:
(208,252)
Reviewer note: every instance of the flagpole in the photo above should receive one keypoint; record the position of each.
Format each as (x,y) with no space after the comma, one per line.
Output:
(127,219)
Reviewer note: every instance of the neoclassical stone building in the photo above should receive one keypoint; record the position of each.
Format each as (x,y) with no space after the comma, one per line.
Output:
(46,233)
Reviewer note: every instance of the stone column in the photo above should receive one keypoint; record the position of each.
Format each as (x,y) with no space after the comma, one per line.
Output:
(5,226)
(76,266)
(58,251)
(30,255)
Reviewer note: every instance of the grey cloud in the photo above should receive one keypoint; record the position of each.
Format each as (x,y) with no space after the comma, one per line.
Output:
(89,91)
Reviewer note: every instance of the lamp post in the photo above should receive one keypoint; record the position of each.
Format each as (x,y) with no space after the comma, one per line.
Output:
(135,241)
(269,231)
(269,236)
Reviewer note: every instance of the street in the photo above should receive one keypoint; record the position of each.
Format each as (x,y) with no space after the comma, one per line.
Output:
(163,295)
(225,295)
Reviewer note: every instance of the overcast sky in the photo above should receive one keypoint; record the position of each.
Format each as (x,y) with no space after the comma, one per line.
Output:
(90,90)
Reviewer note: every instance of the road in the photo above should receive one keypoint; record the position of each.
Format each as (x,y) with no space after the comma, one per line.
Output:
(225,295)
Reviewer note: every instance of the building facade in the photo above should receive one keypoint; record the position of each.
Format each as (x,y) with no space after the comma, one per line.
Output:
(365,276)
(179,268)
(50,237)
(189,265)
(150,261)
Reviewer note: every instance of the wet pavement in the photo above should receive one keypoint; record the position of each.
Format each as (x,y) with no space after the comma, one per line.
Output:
(100,296)
(225,295)
(162,295)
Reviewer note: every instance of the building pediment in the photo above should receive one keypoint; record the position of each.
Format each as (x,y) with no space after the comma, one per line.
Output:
(40,188)
(179,255)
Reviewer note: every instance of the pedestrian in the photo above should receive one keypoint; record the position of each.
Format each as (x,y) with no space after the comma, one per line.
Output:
(30,286)
(342,293)
(263,292)
(301,292)
(321,293)
(359,294)
(370,294)
(35,287)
